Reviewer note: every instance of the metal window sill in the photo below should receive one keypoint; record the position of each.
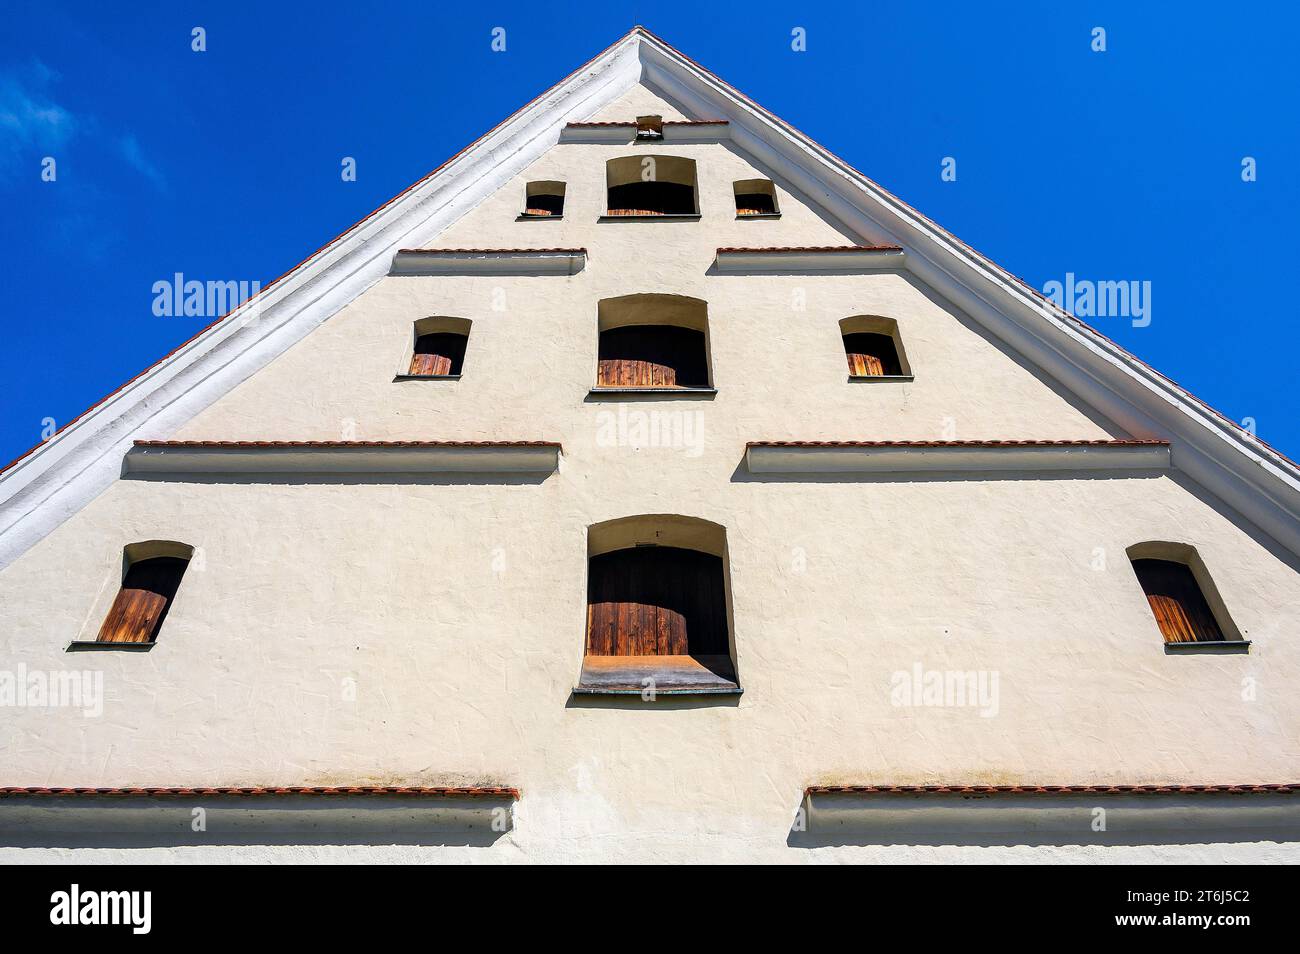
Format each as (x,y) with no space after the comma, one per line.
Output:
(94,645)
(760,215)
(1211,647)
(426,377)
(522,217)
(581,690)
(668,675)
(855,378)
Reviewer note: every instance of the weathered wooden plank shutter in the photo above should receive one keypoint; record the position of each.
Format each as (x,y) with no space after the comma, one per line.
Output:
(141,605)
(439,353)
(647,601)
(871,354)
(652,356)
(1176,599)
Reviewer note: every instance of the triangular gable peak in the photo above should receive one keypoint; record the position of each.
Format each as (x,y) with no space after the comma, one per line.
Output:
(52,481)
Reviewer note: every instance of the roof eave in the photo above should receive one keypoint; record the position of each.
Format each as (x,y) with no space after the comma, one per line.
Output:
(1253,479)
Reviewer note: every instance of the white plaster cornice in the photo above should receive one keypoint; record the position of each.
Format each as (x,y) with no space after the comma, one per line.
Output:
(213,458)
(1245,473)
(954,457)
(487,261)
(1051,817)
(849,259)
(624,133)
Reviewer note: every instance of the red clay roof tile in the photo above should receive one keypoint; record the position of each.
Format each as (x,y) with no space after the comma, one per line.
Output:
(1287,788)
(333,444)
(992,443)
(729,250)
(667,122)
(491,251)
(473,791)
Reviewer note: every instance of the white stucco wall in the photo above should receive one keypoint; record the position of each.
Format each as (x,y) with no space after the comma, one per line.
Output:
(457,607)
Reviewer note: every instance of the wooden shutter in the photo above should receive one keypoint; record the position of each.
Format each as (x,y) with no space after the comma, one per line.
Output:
(871,354)
(1176,599)
(652,356)
(440,353)
(865,365)
(647,601)
(141,605)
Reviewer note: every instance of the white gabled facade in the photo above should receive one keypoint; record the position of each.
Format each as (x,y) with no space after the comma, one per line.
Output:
(388,585)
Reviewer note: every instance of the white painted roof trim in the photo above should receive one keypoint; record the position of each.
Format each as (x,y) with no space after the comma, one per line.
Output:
(1252,478)
(842,459)
(419,261)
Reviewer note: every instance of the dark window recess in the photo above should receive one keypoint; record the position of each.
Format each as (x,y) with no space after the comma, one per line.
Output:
(649,127)
(652,198)
(1176,599)
(543,204)
(652,356)
(440,353)
(142,603)
(871,354)
(656,601)
(755,203)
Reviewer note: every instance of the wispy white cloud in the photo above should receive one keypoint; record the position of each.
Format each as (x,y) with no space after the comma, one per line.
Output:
(30,121)
(128,148)
(33,125)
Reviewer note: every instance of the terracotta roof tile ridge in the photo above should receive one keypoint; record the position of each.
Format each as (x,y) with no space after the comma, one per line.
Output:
(471,791)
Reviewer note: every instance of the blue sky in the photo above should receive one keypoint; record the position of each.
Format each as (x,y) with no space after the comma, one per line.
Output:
(1116,165)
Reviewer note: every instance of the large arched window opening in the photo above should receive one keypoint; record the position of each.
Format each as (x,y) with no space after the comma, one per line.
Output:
(653,342)
(651,185)
(658,607)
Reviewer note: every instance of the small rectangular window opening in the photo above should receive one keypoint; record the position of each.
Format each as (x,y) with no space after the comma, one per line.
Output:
(1179,606)
(141,605)
(439,354)
(871,354)
(544,200)
(649,127)
(755,197)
